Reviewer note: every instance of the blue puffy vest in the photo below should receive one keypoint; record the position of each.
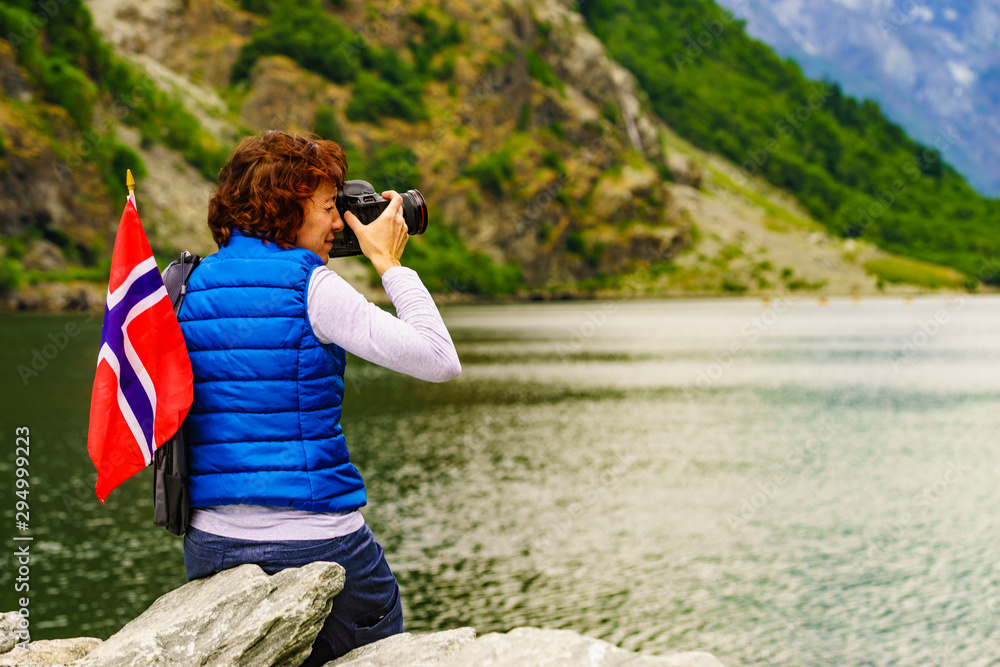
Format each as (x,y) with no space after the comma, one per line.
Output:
(264,428)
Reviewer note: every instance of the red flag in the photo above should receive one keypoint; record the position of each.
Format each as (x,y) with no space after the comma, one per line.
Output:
(143,386)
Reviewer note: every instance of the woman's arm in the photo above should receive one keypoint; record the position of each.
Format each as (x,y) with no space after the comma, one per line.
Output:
(416,342)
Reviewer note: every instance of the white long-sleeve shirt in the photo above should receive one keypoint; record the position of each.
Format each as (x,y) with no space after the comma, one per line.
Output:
(415,342)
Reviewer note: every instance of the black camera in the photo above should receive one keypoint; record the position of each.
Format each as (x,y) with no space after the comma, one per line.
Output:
(360,198)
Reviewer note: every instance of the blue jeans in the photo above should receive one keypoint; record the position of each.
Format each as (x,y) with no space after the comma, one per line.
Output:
(369,607)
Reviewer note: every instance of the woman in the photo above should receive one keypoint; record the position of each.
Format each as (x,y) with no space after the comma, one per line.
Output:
(267,325)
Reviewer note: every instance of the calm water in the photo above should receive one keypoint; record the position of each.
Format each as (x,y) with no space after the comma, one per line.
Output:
(793,484)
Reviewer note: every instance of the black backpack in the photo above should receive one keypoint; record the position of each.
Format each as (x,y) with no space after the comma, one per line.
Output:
(170,470)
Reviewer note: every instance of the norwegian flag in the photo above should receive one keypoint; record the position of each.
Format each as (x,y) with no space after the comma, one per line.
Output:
(143,387)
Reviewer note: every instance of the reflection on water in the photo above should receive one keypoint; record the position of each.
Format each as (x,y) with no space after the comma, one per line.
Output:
(94,567)
(788,484)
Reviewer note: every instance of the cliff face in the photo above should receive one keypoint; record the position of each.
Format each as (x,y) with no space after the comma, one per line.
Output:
(47,187)
(534,148)
(582,193)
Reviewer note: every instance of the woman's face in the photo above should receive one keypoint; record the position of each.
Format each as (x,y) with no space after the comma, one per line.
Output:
(321,220)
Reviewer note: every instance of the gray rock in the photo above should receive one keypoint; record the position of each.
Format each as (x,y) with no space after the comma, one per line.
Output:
(238,617)
(50,652)
(521,647)
(686,171)
(424,650)
(691,659)
(562,648)
(585,65)
(10,623)
(43,255)
(13,83)
(78,296)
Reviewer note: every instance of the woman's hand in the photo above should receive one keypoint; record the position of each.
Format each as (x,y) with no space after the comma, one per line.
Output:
(383,240)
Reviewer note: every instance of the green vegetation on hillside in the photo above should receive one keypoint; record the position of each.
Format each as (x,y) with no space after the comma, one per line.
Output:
(540,70)
(854,170)
(63,59)
(442,259)
(494,172)
(385,84)
(68,64)
(446,265)
(914,272)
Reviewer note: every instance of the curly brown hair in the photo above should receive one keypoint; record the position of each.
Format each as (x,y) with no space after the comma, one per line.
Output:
(263,188)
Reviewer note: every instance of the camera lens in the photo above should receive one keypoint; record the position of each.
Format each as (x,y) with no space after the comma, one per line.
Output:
(414,211)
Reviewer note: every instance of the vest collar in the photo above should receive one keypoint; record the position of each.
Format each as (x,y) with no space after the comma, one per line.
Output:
(242,244)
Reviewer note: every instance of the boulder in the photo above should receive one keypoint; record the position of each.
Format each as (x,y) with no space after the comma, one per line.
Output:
(521,647)
(685,170)
(50,652)
(238,617)
(244,617)
(10,624)
(423,650)
(562,648)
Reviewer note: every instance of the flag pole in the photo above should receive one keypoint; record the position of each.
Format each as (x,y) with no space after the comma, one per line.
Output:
(130,184)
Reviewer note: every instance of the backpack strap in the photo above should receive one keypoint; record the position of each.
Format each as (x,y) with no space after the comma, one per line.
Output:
(171,498)
(176,277)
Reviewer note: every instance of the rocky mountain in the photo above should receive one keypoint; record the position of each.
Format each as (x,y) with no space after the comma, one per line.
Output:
(931,64)
(547,171)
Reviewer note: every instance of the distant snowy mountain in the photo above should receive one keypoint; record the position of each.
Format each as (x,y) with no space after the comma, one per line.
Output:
(932,64)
